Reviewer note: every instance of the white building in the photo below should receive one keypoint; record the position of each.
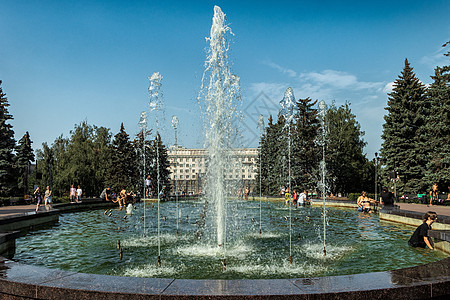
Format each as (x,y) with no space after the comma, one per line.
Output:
(188,168)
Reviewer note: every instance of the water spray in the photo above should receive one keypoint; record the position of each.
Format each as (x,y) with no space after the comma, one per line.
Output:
(287,110)
(175,125)
(261,128)
(322,112)
(155,105)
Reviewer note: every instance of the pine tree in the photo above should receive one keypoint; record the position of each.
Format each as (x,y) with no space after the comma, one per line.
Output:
(404,148)
(24,157)
(7,144)
(305,149)
(124,168)
(438,129)
(159,155)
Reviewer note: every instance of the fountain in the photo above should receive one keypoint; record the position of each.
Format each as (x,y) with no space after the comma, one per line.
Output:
(155,105)
(218,97)
(287,110)
(175,126)
(250,255)
(322,185)
(261,129)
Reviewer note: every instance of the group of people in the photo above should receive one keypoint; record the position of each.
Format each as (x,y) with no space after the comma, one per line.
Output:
(243,193)
(364,202)
(122,199)
(75,194)
(47,198)
(298,199)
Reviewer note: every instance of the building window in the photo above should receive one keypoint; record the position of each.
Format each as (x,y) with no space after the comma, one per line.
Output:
(181,176)
(187,165)
(193,176)
(187,176)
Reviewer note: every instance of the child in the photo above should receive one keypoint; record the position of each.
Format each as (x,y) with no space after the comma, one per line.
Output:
(287,196)
(420,236)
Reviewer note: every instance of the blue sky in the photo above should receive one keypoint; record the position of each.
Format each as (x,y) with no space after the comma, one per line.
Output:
(64,62)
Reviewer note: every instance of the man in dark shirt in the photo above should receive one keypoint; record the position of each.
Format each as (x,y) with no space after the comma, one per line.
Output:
(420,236)
(387,199)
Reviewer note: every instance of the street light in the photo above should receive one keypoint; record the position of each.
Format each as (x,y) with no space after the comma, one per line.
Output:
(376,174)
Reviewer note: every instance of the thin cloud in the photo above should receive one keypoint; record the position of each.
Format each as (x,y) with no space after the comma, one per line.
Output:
(289,72)
(436,59)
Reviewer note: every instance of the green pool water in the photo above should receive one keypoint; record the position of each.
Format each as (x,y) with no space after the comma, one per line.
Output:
(355,243)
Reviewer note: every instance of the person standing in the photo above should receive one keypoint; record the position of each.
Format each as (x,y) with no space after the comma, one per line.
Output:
(420,236)
(246,192)
(73,193)
(302,198)
(48,198)
(295,198)
(434,193)
(38,197)
(79,194)
(148,184)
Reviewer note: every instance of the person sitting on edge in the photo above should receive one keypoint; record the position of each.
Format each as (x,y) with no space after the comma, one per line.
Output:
(363,203)
(386,197)
(106,194)
(121,198)
(420,236)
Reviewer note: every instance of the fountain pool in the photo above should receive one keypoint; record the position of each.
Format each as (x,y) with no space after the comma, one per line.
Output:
(356,243)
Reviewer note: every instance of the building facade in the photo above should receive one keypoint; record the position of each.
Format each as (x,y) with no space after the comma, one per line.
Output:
(188,168)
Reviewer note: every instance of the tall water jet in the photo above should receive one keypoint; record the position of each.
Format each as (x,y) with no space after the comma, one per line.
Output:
(143,125)
(261,129)
(218,99)
(155,105)
(322,184)
(175,126)
(287,110)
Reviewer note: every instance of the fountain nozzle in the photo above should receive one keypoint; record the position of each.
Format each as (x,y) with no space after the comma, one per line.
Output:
(159,261)
(324,251)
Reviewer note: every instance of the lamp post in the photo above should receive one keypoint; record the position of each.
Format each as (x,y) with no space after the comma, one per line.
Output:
(376,174)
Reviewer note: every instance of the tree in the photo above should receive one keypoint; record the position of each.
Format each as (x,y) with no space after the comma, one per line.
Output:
(124,169)
(404,149)
(24,157)
(305,148)
(7,145)
(159,157)
(345,162)
(46,161)
(273,147)
(438,129)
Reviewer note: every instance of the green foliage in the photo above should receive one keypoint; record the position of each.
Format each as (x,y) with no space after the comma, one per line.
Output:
(405,148)
(347,168)
(7,145)
(437,129)
(123,171)
(24,157)
(306,151)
